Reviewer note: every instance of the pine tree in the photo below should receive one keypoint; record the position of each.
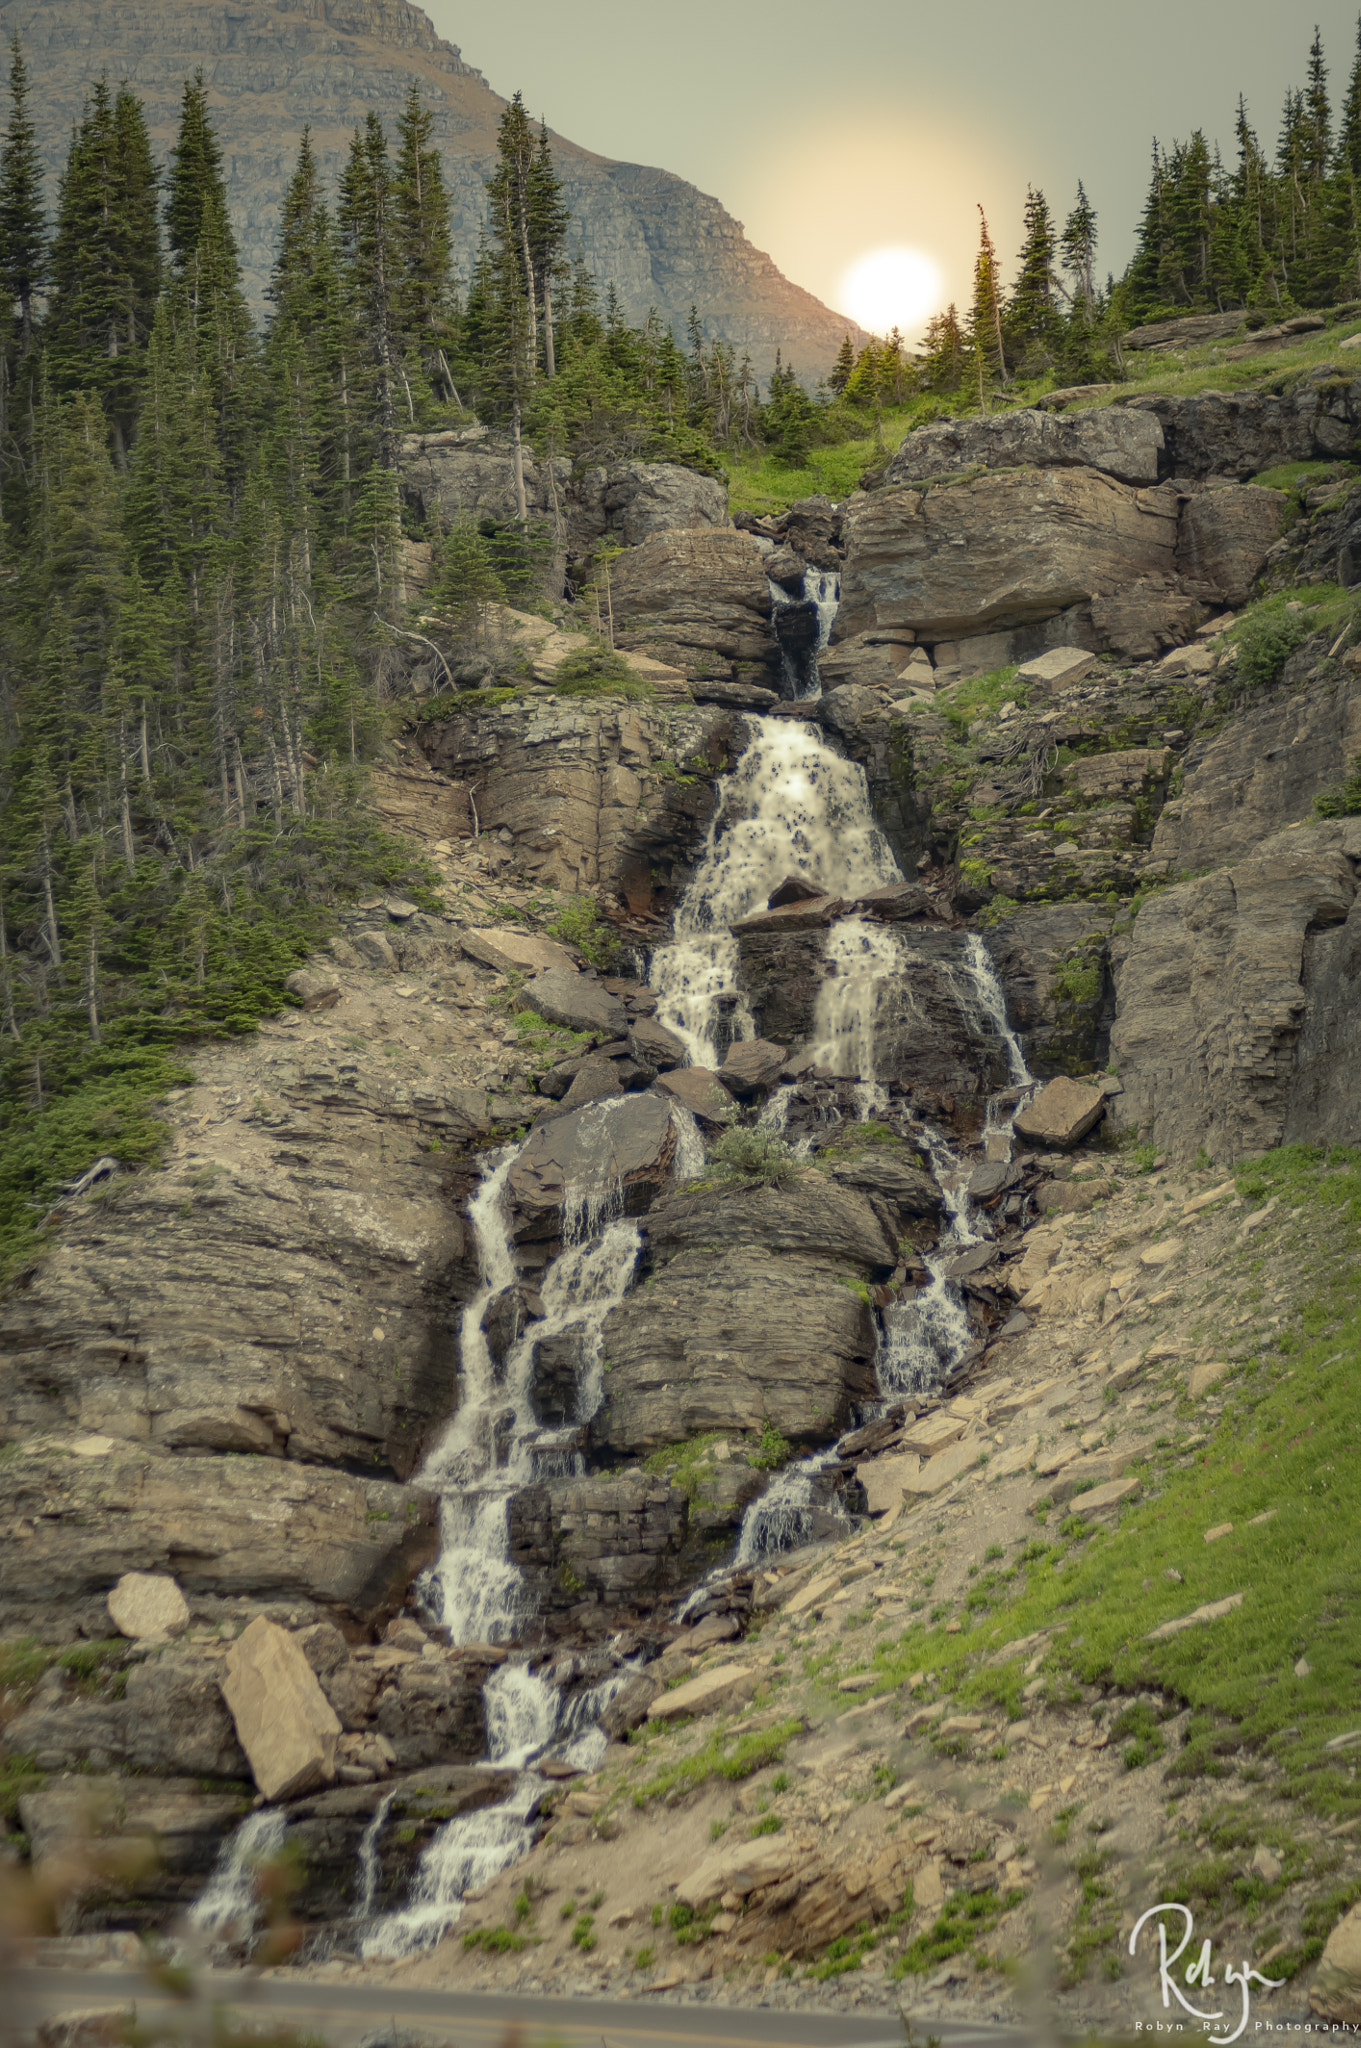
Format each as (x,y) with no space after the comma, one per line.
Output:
(424,306)
(1077,254)
(106,261)
(196,180)
(843,367)
(369,246)
(24,251)
(1318,115)
(1030,322)
(549,218)
(1349,125)
(985,320)
(945,357)
(508,196)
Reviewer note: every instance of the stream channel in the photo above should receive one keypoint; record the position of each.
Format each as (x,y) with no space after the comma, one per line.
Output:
(790,806)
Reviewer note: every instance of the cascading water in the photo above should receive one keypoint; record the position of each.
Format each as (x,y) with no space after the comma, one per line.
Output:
(791,806)
(859,958)
(802,622)
(228,1907)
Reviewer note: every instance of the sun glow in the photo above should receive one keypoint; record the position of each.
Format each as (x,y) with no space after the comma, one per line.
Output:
(892,288)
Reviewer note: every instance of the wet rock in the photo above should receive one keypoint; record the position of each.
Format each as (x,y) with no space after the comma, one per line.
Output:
(596,1080)
(700,1091)
(1225,535)
(628,1709)
(730,1341)
(1000,550)
(1118,443)
(593,1548)
(576,1002)
(786,568)
(630,1140)
(750,1065)
(556,1365)
(654,1046)
(893,1174)
(327,1828)
(187,1822)
(809,913)
(734,696)
(795,889)
(148,1607)
(284,1722)
(808,1216)
(503,1321)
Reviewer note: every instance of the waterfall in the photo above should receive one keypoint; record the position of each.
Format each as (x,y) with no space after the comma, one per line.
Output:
(228,1907)
(781,1519)
(859,958)
(815,604)
(368,1856)
(790,806)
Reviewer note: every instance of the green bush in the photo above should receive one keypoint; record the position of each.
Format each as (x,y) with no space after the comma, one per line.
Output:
(756,1156)
(1344,799)
(580,924)
(593,670)
(1266,639)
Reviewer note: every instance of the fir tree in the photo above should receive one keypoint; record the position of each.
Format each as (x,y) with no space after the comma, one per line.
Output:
(369,246)
(23,215)
(424,310)
(195,181)
(985,319)
(843,367)
(1030,322)
(1077,254)
(106,261)
(548,219)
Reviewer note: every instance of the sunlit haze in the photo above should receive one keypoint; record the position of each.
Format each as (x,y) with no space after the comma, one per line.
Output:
(891,288)
(832,135)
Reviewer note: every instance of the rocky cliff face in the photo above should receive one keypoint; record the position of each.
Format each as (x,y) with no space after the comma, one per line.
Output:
(275,65)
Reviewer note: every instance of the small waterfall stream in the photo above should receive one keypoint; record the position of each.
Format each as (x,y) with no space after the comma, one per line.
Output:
(790,806)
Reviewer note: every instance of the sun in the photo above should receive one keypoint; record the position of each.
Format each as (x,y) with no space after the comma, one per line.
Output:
(894,287)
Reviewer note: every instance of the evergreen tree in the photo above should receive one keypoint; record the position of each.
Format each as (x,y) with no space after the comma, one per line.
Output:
(1349,126)
(549,218)
(424,307)
(985,319)
(196,181)
(1030,323)
(23,216)
(1077,254)
(369,246)
(106,261)
(946,355)
(843,366)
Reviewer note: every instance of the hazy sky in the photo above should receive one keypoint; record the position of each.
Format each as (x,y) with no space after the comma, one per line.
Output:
(833,131)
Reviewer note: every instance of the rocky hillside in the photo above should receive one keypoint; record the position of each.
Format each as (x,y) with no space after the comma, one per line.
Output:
(273,68)
(947,1595)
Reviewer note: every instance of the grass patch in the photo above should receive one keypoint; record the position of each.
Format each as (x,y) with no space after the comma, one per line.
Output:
(749,1753)
(1289,1444)
(498,1941)
(963,1921)
(1295,477)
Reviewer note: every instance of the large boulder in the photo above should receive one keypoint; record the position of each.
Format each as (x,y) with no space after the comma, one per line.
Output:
(169,1718)
(1225,535)
(809,1216)
(999,549)
(576,1002)
(627,1143)
(1061,1114)
(697,596)
(635,500)
(1238,434)
(148,1606)
(1122,444)
(284,1721)
(732,1342)
(1236,1020)
(1335,1993)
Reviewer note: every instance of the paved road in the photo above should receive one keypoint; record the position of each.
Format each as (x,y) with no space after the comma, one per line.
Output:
(345,2013)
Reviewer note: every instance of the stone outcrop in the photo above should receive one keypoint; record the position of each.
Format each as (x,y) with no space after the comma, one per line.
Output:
(170,1718)
(284,1722)
(999,550)
(579,789)
(1122,444)
(273,67)
(631,1144)
(1235,1020)
(599,1547)
(757,1313)
(699,598)
(468,473)
(1239,434)
(1225,535)
(234,1531)
(1259,772)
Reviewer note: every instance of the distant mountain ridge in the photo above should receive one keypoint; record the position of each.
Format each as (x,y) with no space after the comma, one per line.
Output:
(274,65)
